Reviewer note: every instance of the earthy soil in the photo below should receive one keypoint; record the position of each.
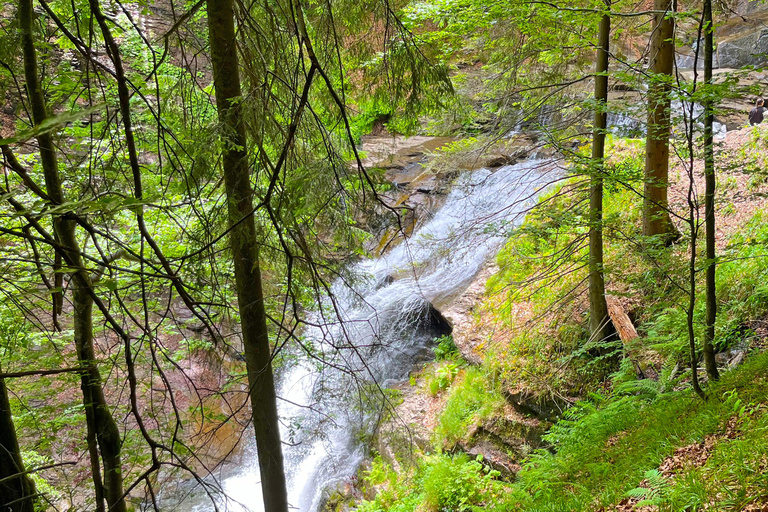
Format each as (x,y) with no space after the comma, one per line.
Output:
(741,191)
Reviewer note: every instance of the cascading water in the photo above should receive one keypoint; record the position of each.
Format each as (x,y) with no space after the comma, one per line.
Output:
(382,325)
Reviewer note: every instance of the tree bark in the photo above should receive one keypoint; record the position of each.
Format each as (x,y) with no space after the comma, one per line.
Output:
(656,220)
(98,416)
(709,197)
(243,239)
(17,494)
(692,299)
(600,325)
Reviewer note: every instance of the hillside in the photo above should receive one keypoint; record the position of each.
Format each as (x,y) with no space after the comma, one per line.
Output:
(519,416)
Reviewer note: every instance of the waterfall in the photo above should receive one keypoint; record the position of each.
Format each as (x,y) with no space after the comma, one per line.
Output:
(377,329)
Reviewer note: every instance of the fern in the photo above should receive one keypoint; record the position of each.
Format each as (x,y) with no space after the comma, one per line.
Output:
(648,388)
(657,491)
(645,388)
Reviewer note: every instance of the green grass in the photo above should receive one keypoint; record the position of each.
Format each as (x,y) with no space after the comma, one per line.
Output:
(471,399)
(440,483)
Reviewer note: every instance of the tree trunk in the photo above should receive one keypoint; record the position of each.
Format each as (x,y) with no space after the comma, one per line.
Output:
(709,197)
(656,221)
(98,416)
(17,494)
(600,325)
(243,239)
(692,298)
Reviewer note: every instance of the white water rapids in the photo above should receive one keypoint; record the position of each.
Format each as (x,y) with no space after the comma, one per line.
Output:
(377,328)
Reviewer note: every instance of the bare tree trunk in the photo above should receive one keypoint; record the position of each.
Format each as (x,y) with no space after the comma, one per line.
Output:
(600,325)
(709,196)
(17,491)
(656,221)
(98,416)
(243,239)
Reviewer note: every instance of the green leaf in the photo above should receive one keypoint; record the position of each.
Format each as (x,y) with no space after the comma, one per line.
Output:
(50,124)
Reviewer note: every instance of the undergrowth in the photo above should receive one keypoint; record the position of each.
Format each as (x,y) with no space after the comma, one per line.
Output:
(604,449)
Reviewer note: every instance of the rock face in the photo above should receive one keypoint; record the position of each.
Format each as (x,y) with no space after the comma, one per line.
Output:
(419,186)
(749,50)
(504,440)
(461,315)
(415,192)
(437,322)
(743,39)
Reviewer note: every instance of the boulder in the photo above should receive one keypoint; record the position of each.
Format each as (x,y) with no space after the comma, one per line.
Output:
(504,440)
(733,356)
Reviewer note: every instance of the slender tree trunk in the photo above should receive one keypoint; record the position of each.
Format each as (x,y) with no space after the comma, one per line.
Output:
(709,196)
(98,416)
(656,221)
(600,325)
(17,494)
(692,297)
(244,244)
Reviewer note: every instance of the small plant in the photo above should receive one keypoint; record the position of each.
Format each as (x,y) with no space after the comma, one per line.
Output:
(456,483)
(32,459)
(657,490)
(443,378)
(446,348)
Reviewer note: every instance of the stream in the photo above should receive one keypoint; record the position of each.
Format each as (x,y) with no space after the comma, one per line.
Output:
(378,329)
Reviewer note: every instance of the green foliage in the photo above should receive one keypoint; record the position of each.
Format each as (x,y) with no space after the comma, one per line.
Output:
(470,400)
(608,448)
(446,348)
(626,165)
(456,483)
(438,483)
(33,461)
(443,377)
(635,435)
(656,490)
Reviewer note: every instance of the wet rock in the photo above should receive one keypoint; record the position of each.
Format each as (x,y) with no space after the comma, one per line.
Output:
(460,312)
(344,497)
(507,157)
(388,280)
(409,428)
(391,152)
(500,161)
(416,193)
(428,183)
